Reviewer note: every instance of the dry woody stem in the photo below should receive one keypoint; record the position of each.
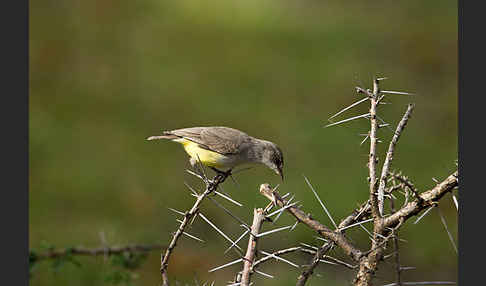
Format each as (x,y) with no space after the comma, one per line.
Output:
(258,217)
(302,279)
(211,186)
(373,156)
(389,156)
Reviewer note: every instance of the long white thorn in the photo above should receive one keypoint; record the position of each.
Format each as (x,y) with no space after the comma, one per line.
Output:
(273,230)
(228,198)
(226,265)
(355,224)
(282,209)
(322,204)
(328,262)
(263,274)
(447,230)
(193,237)
(176,211)
(219,231)
(424,214)
(455,202)
(194,174)
(396,92)
(279,258)
(364,140)
(423,283)
(347,108)
(236,241)
(295,224)
(310,246)
(287,206)
(349,119)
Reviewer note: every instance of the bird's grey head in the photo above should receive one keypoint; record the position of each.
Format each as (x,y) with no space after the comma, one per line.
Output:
(272,157)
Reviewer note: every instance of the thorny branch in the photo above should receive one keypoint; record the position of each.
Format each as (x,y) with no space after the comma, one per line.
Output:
(302,279)
(389,156)
(385,226)
(100,251)
(427,199)
(258,217)
(211,186)
(367,266)
(373,156)
(322,230)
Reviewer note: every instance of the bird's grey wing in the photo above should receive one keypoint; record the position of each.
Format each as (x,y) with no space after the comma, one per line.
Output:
(193,133)
(223,140)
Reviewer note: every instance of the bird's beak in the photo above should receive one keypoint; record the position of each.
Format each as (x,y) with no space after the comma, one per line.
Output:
(280,172)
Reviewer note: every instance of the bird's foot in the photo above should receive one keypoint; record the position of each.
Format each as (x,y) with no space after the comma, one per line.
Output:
(221,175)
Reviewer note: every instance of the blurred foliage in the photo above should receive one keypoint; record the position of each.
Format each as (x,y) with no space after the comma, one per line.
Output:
(121,273)
(105,75)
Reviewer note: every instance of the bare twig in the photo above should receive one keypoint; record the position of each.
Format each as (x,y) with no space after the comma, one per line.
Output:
(355,224)
(302,279)
(356,215)
(373,156)
(404,180)
(389,156)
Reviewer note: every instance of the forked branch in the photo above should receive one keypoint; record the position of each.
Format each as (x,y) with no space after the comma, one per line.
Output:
(211,186)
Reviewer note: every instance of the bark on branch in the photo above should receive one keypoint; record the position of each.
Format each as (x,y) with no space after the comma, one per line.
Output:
(369,263)
(335,236)
(258,217)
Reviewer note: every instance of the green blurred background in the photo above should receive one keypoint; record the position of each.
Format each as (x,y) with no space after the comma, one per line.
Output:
(105,75)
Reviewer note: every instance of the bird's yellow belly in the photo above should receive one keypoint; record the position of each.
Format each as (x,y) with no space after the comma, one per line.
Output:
(208,158)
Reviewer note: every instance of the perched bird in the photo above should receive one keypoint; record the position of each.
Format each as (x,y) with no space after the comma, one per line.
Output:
(223,148)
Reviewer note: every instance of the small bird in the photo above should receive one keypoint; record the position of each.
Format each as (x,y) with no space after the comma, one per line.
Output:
(223,148)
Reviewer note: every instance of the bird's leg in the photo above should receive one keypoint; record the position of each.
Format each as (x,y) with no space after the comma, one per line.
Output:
(225,174)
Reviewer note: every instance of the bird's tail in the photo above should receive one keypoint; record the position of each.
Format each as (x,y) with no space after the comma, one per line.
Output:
(166,135)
